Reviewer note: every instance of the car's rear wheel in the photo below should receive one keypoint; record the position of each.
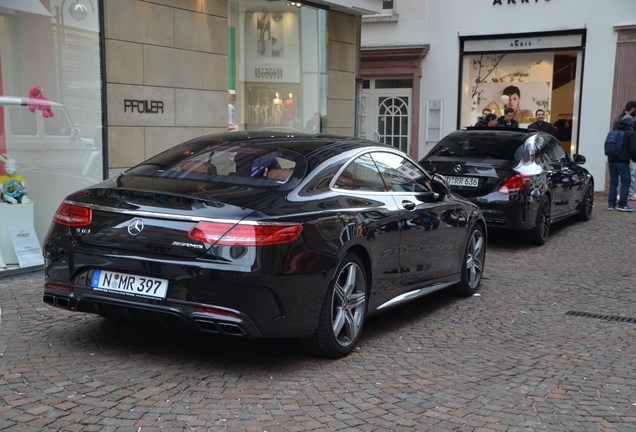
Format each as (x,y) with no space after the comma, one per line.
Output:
(343,313)
(587,204)
(474,260)
(539,234)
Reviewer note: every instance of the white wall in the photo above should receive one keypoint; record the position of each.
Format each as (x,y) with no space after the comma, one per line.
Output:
(441,23)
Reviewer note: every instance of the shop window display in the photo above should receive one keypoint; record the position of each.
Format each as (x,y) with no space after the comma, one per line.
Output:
(526,73)
(280,64)
(50,104)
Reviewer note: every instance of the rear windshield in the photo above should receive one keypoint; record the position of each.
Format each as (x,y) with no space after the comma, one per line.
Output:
(478,146)
(245,164)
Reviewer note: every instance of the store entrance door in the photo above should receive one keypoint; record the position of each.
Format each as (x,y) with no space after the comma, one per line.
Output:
(385,113)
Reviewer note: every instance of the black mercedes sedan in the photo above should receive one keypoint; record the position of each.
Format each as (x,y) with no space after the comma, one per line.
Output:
(264,235)
(522,180)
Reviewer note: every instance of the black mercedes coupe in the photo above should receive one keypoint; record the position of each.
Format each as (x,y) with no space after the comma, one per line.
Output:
(264,235)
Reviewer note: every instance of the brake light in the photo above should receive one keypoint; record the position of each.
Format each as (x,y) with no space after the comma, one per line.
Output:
(515,184)
(229,234)
(73,215)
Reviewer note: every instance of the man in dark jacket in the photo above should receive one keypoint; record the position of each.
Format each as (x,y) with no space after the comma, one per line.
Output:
(619,167)
(489,120)
(630,109)
(541,124)
(508,119)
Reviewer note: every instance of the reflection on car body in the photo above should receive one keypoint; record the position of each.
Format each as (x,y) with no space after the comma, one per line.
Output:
(47,142)
(307,256)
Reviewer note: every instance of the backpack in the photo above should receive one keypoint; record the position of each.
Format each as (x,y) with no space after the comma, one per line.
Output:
(614,143)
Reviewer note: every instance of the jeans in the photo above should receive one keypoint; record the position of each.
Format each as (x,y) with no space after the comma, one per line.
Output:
(632,171)
(618,170)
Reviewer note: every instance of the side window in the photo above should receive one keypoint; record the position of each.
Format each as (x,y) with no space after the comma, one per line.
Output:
(361,175)
(399,174)
(544,156)
(558,152)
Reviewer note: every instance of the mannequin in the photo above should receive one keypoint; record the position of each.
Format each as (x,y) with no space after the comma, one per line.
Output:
(290,110)
(12,185)
(231,110)
(277,109)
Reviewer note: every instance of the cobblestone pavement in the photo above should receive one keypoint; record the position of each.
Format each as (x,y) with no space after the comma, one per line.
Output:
(541,348)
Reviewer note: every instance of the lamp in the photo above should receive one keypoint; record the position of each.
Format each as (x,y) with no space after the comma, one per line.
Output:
(78,11)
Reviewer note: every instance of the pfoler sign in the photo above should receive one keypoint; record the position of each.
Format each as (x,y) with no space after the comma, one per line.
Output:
(143,106)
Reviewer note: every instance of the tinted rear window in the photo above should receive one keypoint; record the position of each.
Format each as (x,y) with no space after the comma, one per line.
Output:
(477,146)
(244,164)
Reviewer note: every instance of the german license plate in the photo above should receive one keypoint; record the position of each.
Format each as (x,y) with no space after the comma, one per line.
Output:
(133,285)
(463,181)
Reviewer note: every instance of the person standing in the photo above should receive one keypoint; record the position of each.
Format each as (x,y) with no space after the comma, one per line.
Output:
(630,109)
(508,119)
(619,167)
(483,115)
(541,124)
(489,120)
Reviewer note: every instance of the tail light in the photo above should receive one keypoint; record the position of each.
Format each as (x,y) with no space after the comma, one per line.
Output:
(515,184)
(229,234)
(73,215)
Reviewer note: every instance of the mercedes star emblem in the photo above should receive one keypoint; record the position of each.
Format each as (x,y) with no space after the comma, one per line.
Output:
(135,227)
(457,168)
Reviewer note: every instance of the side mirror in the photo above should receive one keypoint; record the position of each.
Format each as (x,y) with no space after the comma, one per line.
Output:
(578,159)
(440,185)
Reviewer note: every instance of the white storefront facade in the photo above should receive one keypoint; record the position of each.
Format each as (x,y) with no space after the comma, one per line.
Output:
(574,58)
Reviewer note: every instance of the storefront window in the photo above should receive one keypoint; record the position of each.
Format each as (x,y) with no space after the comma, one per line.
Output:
(50,99)
(525,74)
(277,72)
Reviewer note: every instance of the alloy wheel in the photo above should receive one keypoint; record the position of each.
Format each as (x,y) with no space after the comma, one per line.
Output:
(475,259)
(348,304)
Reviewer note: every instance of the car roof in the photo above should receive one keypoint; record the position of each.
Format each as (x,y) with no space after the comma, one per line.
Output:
(302,143)
(511,133)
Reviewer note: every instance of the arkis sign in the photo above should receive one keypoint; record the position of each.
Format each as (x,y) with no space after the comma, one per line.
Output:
(544,42)
(514,2)
(143,106)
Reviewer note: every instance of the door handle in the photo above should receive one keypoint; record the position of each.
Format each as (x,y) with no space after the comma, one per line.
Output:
(408,205)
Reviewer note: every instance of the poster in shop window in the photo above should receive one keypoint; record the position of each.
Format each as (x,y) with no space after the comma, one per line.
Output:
(521,81)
